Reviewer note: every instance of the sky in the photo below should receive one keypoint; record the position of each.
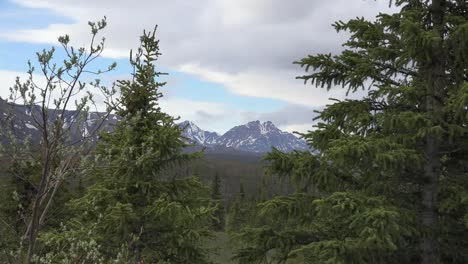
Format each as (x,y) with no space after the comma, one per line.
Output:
(229,61)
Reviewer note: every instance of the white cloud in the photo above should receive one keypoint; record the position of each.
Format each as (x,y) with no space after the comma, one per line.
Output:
(301,128)
(257,83)
(35,3)
(207,115)
(226,35)
(210,115)
(8,80)
(248,46)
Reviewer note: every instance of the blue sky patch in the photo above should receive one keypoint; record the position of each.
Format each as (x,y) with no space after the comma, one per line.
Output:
(14,17)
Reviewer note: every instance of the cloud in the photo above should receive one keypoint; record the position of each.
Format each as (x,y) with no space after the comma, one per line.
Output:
(8,80)
(213,116)
(247,46)
(264,84)
(207,115)
(227,35)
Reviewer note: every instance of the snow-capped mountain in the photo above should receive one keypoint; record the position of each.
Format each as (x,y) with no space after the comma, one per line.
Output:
(261,137)
(251,137)
(28,120)
(197,135)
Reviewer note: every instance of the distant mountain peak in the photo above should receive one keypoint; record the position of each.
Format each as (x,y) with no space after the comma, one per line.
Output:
(197,135)
(264,128)
(254,136)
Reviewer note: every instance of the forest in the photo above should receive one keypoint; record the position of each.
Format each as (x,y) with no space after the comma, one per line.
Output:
(386,182)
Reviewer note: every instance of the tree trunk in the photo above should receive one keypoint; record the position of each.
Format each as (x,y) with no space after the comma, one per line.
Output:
(34,225)
(429,243)
(435,89)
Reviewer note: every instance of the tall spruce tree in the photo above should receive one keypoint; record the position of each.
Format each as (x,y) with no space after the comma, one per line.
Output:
(217,197)
(132,205)
(390,168)
(239,212)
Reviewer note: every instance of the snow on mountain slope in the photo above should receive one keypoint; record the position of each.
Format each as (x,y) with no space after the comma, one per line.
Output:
(261,137)
(197,135)
(252,137)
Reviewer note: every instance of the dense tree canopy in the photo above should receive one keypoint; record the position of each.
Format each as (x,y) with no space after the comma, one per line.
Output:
(386,182)
(390,168)
(132,208)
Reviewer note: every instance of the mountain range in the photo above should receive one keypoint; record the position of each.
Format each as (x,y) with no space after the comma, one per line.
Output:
(254,137)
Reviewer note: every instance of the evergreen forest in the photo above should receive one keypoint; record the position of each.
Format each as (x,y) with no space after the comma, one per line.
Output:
(385,179)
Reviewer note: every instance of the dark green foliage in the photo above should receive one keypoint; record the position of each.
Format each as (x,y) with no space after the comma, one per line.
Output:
(241,212)
(17,187)
(139,96)
(388,181)
(217,197)
(132,204)
(241,192)
(231,171)
(345,227)
(45,159)
(16,198)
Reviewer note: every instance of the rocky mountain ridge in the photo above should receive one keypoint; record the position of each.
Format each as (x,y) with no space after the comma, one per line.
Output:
(254,136)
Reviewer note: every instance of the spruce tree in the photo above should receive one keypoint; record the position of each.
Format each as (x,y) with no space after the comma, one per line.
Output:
(216,196)
(132,207)
(239,212)
(390,168)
